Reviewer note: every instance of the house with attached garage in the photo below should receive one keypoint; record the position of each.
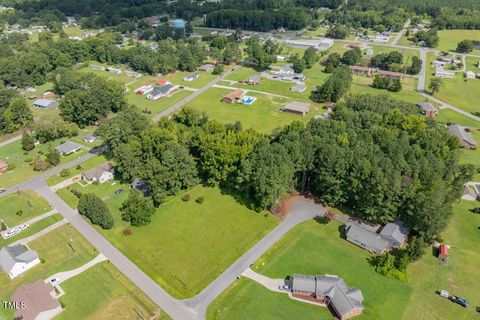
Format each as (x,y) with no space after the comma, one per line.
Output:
(68,147)
(233,96)
(16,259)
(90,138)
(344,302)
(464,136)
(392,235)
(39,300)
(99,174)
(160,91)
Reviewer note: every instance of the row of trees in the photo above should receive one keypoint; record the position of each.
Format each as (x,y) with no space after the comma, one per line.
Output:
(14,111)
(379,20)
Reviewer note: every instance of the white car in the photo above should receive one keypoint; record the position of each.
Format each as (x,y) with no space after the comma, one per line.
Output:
(22,227)
(10,233)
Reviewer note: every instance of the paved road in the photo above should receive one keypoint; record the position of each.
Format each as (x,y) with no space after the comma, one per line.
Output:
(8,141)
(171,306)
(302,210)
(195,94)
(422,76)
(402,32)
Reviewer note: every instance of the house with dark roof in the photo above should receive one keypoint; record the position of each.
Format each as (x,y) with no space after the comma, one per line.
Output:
(100,174)
(160,91)
(343,301)
(16,259)
(39,301)
(464,136)
(45,103)
(191,77)
(90,138)
(428,109)
(68,147)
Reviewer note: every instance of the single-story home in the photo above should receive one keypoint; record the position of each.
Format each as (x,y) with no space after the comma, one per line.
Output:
(381,38)
(344,302)
(90,138)
(428,109)
(287,70)
(254,80)
(396,233)
(163,82)
(100,174)
(320,45)
(16,259)
(390,74)
(470,75)
(297,107)
(133,74)
(45,103)
(362,71)
(68,147)
(160,91)
(464,137)
(146,88)
(233,96)
(438,63)
(471,191)
(114,70)
(366,239)
(191,77)
(3,166)
(298,87)
(39,301)
(206,67)
(444,74)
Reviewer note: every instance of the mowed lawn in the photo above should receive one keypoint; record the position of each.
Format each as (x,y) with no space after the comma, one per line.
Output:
(32,229)
(103,292)
(312,249)
(187,245)
(448,115)
(61,249)
(449,39)
(472,156)
(263,115)
(363,85)
(21,206)
(13,154)
(155,106)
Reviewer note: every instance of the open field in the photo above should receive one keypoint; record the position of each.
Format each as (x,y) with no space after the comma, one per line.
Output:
(24,202)
(62,249)
(33,229)
(187,245)
(312,249)
(89,164)
(263,115)
(447,115)
(450,38)
(159,105)
(459,91)
(13,154)
(102,292)
(362,85)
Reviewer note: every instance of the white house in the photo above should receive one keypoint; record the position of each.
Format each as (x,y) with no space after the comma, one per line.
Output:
(16,259)
(100,174)
(444,74)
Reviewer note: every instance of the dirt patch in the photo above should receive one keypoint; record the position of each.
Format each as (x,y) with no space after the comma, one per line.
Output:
(123,308)
(285,205)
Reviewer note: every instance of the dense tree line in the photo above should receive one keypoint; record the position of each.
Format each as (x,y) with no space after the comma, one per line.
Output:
(379,20)
(14,111)
(336,85)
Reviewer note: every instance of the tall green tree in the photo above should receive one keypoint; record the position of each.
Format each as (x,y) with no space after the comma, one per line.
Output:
(92,207)
(137,209)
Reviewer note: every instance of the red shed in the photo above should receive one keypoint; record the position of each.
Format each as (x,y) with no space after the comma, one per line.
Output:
(443,252)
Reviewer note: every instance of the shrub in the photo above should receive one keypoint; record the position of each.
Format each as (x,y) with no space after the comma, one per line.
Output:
(28,160)
(42,261)
(19,213)
(64,173)
(186,197)
(79,167)
(76,193)
(91,206)
(127,231)
(11,167)
(200,200)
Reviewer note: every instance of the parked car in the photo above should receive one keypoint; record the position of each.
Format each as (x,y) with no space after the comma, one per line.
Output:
(2,190)
(285,288)
(460,301)
(54,281)
(118,191)
(22,227)
(10,233)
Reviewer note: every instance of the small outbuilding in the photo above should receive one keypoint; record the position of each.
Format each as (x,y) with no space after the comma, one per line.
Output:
(68,147)
(90,138)
(297,107)
(443,252)
(45,103)
(191,77)
(298,87)
(254,80)
(470,75)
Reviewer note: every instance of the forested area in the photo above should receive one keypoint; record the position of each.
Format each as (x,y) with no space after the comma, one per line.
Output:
(375,155)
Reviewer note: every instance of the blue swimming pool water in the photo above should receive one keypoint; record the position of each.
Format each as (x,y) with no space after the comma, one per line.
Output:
(249,100)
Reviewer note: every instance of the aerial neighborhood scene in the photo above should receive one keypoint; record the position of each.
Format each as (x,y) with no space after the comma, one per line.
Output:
(239,160)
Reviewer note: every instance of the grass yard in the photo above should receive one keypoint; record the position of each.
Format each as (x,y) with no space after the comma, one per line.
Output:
(311,249)
(89,164)
(450,38)
(62,249)
(447,115)
(187,245)
(263,115)
(14,155)
(362,85)
(25,201)
(460,92)
(34,228)
(472,156)
(157,106)
(103,292)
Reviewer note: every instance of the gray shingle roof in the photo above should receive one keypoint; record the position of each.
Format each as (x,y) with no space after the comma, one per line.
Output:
(45,103)
(427,106)
(395,232)
(299,86)
(461,134)
(160,90)
(98,171)
(12,254)
(297,106)
(68,147)
(366,238)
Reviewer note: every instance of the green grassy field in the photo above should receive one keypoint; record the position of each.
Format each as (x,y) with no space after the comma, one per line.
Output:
(312,249)
(90,163)
(362,85)
(263,115)
(25,201)
(62,249)
(156,106)
(447,115)
(472,156)
(102,292)
(187,245)
(450,38)
(34,228)
(13,154)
